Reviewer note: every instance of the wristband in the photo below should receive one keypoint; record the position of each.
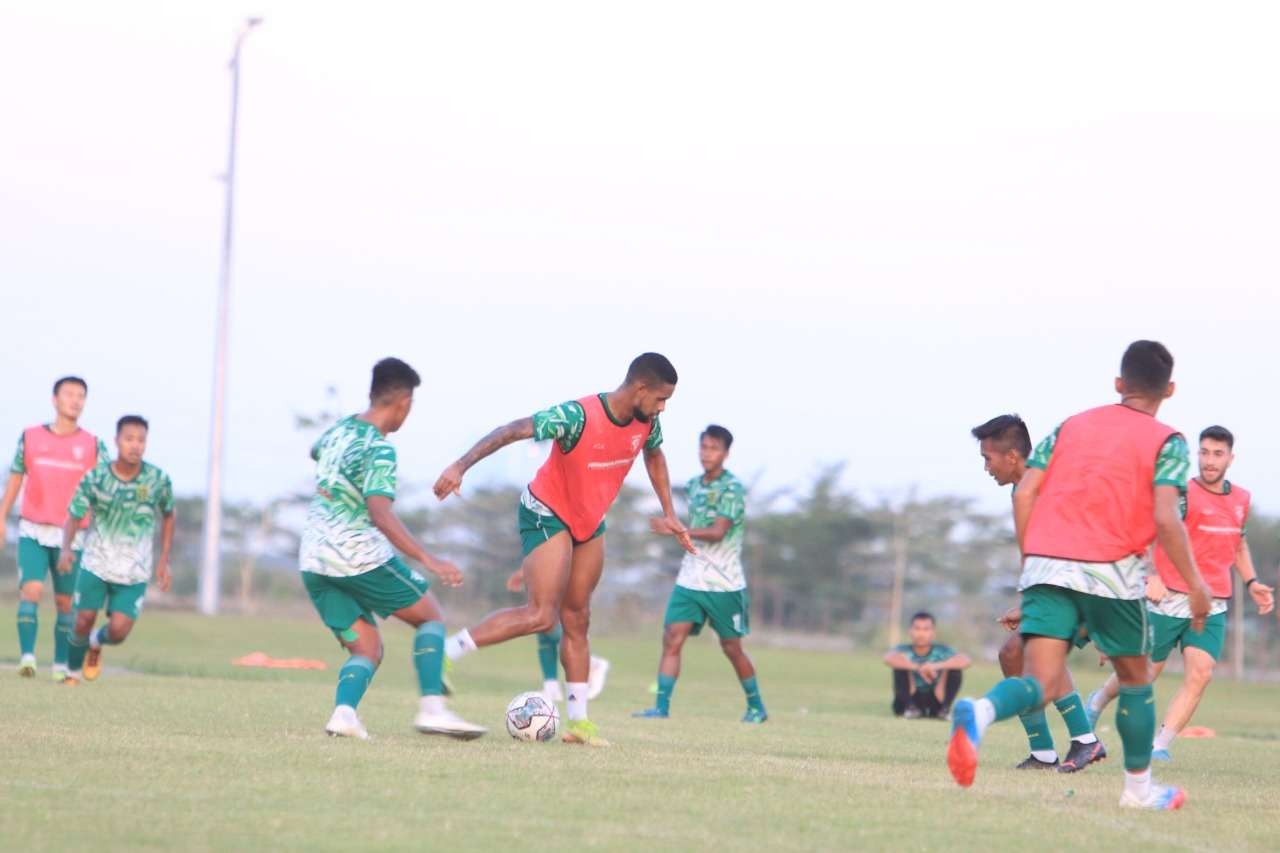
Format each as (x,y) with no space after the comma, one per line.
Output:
(1250,582)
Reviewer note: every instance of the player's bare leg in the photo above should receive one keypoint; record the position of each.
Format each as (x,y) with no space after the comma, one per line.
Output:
(546,577)
(364,643)
(587,564)
(112,633)
(1197,672)
(673,639)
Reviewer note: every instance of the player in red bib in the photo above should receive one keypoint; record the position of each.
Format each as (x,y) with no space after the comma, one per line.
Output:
(1216,511)
(562,512)
(47,467)
(1096,494)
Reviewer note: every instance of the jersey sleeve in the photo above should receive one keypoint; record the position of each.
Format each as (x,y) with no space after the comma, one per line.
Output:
(563,424)
(655,435)
(164,500)
(19,465)
(1174,463)
(733,503)
(380,471)
(104,456)
(1044,450)
(82,498)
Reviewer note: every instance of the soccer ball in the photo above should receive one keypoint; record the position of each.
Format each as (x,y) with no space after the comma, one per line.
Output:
(530,717)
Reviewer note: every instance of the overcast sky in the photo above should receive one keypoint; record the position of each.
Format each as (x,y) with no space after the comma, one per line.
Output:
(857,230)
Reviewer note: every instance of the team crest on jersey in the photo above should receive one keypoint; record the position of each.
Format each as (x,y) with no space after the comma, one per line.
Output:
(144,491)
(635,443)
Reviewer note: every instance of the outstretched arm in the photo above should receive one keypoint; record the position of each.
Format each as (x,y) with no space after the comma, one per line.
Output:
(385,519)
(655,462)
(450,482)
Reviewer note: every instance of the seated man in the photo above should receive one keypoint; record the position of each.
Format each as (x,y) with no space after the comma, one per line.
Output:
(926,675)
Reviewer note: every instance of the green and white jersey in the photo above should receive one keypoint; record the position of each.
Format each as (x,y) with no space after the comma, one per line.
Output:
(1124,579)
(717,567)
(564,424)
(1178,605)
(49,535)
(354,461)
(121,537)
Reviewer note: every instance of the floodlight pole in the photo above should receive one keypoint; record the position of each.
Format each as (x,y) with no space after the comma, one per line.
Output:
(210,565)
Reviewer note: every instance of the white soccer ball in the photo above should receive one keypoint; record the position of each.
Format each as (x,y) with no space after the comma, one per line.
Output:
(530,717)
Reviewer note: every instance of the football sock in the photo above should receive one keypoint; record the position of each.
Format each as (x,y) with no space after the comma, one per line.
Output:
(459,644)
(1072,710)
(61,633)
(102,637)
(1011,696)
(576,703)
(353,680)
(666,684)
(1037,727)
(1139,783)
(428,658)
(752,690)
(1136,722)
(28,624)
(77,645)
(549,654)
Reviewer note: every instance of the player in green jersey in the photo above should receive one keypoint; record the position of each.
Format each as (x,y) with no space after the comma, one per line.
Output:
(712,584)
(349,563)
(1005,445)
(125,498)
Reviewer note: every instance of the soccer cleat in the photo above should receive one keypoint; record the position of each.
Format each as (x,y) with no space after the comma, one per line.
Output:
(447,723)
(1162,798)
(345,723)
(651,714)
(943,714)
(70,680)
(583,732)
(1161,755)
(93,663)
(1033,763)
(58,672)
(912,713)
(446,679)
(755,715)
(596,675)
(27,666)
(1090,712)
(962,751)
(1081,755)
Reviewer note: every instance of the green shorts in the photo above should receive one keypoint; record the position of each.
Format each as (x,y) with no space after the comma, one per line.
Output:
(535,529)
(36,560)
(1171,631)
(728,612)
(384,590)
(1119,627)
(92,592)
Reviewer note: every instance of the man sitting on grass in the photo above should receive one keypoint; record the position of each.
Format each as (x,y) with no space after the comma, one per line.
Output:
(926,675)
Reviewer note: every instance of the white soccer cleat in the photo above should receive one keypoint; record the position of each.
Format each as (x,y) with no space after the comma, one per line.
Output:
(345,723)
(551,691)
(595,677)
(27,666)
(1161,798)
(445,722)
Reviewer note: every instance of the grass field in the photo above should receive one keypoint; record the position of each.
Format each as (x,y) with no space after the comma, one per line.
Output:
(187,751)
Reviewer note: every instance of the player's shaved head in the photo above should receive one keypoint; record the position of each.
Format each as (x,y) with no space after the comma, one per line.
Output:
(391,378)
(1146,368)
(1006,432)
(651,369)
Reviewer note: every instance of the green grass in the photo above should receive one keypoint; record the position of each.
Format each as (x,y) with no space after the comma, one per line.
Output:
(190,752)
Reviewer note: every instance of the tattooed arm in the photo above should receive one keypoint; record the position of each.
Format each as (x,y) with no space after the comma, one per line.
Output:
(450,481)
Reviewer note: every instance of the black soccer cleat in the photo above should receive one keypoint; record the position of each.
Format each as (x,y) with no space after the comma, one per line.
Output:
(1033,763)
(1082,755)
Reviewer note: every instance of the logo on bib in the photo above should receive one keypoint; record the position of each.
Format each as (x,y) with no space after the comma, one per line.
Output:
(635,443)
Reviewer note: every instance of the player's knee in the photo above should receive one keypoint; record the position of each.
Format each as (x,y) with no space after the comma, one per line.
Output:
(84,621)
(31,591)
(542,620)
(1198,675)
(575,622)
(62,603)
(118,633)
(672,638)
(732,648)
(1011,659)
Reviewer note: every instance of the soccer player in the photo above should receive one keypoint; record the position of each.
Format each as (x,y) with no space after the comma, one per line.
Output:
(926,674)
(51,458)
(561,515)
(1097,492)
(1216,511)
(123,501)
(712,584)
(1005,445)
(349,563)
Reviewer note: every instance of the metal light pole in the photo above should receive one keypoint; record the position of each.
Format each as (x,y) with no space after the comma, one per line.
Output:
(210,566)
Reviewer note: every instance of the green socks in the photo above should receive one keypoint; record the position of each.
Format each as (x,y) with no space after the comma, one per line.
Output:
(428,658)
(61,634)
(1136,722)
(1014,696)
(77,645)
(752,690)
(1071,707)
(28,623)
(1037,727)
(353,680)
(549,653)
(666,684)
